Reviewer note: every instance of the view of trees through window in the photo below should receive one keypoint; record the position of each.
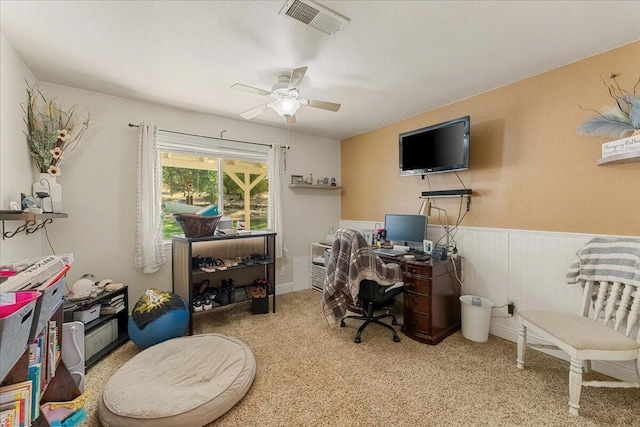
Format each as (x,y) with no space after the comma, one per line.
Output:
(190,183)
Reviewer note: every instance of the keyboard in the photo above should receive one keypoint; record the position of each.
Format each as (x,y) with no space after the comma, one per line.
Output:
(389,252)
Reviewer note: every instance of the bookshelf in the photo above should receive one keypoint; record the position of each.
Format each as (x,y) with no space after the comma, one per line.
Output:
(56,383)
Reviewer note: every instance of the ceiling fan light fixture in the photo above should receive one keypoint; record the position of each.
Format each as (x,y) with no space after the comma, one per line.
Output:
(285,107)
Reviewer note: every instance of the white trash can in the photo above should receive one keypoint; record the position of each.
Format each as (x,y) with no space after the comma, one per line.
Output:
(476,315)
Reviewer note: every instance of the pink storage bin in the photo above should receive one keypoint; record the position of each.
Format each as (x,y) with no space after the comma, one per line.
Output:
(22,298)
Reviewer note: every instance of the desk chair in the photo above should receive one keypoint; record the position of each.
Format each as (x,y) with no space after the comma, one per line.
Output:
(358,280)
(612,268)
(372,296)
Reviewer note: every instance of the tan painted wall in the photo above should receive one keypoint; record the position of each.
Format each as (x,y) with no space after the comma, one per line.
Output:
(529,169)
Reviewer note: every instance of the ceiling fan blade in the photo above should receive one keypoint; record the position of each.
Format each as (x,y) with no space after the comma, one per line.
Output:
(291,120)
(255,111)
(322,104)
(250,89)
(296,77)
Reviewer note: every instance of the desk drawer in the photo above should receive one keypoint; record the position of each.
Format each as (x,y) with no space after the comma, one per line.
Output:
(417,322)
(417,269)
(419,285)
(417,303)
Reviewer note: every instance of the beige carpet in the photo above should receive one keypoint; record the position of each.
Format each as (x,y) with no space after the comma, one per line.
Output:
(310,374)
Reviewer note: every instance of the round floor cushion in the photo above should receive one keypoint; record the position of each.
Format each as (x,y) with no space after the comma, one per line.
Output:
(186,381)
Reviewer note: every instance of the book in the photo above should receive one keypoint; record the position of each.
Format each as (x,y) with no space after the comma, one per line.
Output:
(18,394)
(116,299)
(51,349)
(34,353)
(108,309)
(8,417)
(35,375)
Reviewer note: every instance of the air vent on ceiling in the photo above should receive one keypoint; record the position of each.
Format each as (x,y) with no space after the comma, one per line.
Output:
(314,15)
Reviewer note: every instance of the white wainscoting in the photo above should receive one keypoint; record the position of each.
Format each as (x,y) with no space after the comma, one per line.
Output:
(528,266)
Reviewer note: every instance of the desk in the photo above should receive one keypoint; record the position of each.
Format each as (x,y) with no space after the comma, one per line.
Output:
(431,298)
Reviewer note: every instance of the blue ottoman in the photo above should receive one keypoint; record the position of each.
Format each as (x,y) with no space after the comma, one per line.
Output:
(157,316)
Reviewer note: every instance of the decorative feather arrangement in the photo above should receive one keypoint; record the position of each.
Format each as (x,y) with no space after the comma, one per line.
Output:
(618,120)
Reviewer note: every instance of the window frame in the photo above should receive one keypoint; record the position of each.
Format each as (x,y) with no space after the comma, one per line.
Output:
(204,146)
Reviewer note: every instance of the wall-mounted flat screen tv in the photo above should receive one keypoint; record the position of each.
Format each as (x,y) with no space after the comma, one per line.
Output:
(439,148)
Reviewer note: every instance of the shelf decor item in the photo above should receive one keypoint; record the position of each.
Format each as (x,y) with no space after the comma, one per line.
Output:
(52,134)
(195,225)
(297,179)
(48,193)
(621,119)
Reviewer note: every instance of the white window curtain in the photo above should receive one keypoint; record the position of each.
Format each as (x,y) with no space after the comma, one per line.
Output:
(275,214)
(149,252)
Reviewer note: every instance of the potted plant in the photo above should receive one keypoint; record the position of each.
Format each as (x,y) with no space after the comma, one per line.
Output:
(52,134)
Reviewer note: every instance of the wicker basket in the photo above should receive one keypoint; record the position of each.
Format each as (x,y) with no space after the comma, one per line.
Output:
(195,225)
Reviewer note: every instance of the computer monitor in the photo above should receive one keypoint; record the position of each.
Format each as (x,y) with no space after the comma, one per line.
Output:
(406,229)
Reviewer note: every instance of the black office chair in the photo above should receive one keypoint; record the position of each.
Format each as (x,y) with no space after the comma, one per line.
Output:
(371,297)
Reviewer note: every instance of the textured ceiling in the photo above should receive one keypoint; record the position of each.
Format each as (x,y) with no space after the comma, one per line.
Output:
(394,59)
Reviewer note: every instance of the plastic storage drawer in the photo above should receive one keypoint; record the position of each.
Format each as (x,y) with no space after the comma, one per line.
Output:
(99,337)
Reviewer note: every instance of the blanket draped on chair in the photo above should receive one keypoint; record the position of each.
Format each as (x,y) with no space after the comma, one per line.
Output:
(608,260)
(352,260)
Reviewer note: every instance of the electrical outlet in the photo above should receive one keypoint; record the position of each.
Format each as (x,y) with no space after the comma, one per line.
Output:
(512,306)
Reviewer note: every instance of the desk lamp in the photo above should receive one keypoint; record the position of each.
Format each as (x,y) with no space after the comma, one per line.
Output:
(425,210)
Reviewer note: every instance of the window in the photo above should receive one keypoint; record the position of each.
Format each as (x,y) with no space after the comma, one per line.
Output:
(200,171)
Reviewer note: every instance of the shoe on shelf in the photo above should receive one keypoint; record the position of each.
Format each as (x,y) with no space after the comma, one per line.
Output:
(202,287)
(220,265)
(222,297)
(261,258)
(196,261)
(209,268)
(229,262)
(206,305)
(197,305)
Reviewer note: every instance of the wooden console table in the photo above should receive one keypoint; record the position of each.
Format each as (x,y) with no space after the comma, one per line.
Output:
(431,299)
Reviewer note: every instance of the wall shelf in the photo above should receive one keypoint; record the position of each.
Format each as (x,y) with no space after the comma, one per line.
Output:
(620,158)
(447,193)
(30,221)
(316,187)
(464,192)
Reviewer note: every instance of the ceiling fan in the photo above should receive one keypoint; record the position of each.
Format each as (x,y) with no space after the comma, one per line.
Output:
(286,97)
